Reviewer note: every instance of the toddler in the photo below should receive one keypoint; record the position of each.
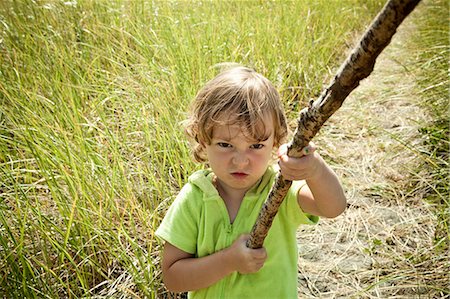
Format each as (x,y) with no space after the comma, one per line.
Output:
(237,123)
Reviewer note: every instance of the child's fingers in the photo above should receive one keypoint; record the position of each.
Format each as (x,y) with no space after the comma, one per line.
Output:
(282,150)
(309,149)
(260,254)
(299,168)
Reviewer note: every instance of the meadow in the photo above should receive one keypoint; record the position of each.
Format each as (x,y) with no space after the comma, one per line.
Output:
(92,94)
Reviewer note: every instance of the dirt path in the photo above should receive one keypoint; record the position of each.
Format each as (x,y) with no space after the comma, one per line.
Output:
(381,247)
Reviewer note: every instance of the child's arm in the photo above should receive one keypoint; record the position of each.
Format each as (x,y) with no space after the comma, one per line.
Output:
(183,272)
(323,195)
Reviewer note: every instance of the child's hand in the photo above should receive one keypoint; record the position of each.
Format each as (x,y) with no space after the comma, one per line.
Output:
(246,260)
(309,166)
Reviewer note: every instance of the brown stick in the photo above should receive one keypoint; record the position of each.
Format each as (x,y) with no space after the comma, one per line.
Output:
(357,66)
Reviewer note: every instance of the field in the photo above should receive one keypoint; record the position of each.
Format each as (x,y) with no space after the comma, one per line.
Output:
(92,152)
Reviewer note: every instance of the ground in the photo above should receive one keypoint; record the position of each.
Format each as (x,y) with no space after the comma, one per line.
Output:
(382,246)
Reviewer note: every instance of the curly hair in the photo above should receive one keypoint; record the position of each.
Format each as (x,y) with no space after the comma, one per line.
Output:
(240,96)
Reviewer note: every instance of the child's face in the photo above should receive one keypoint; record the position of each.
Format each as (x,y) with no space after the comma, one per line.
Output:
(237,161)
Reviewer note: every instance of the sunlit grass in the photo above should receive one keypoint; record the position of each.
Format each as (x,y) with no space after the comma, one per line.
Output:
(431,50)
(92,94)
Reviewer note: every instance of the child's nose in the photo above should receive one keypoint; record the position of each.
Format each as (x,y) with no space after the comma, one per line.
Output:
(240,159)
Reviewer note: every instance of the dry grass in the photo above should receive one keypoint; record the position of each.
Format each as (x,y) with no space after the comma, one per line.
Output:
(91,152)
(383,246)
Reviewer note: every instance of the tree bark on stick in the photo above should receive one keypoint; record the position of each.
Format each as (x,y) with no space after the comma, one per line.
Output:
(356,67)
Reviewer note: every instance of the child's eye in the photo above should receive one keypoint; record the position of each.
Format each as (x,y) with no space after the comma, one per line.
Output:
(224,144)
(257,146)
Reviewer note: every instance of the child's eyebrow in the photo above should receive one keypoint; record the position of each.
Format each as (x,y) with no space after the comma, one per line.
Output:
(222,137)
(263,138)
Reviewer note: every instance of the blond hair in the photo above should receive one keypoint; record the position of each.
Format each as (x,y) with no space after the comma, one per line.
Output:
(236,96)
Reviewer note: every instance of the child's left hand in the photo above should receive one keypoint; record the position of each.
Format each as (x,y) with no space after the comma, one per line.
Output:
(307,167)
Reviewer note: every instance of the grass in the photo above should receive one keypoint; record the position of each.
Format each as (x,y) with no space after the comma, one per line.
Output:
(389,143)
(91,150)
(92,153)
(431,48)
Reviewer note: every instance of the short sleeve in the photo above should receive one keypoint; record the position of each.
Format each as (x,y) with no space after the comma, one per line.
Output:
(293,211)
(179,226)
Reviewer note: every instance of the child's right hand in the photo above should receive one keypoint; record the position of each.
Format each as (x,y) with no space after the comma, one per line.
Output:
(243,259)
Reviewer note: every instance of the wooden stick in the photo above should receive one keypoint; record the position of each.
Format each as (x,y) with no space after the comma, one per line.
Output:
(356,67)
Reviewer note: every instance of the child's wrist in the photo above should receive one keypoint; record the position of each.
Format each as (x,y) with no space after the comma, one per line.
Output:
(319,169)
(228,260)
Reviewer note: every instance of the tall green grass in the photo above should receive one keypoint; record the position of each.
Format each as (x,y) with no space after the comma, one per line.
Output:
(91,96)
(431,51)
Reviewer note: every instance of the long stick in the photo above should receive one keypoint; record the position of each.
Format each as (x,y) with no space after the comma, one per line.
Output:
(357,66)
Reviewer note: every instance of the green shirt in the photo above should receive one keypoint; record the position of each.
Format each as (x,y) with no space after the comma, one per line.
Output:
(198,223)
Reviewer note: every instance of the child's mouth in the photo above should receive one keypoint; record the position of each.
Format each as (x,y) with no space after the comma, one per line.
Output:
(239,175)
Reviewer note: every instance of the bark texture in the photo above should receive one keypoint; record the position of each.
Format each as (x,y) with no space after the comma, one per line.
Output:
(356,67)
